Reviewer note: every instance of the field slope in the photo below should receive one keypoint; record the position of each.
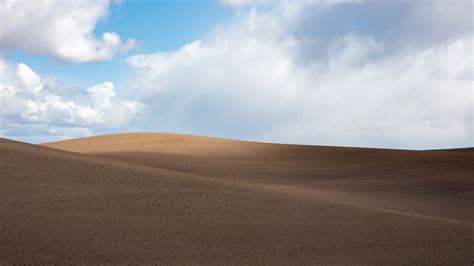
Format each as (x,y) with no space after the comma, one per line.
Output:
(137,198)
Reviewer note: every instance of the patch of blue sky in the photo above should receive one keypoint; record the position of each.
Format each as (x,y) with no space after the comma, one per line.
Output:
(161,25)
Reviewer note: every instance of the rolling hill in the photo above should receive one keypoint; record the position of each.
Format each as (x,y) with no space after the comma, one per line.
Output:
(169,198)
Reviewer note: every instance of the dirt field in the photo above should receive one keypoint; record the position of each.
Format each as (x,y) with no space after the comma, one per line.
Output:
(141,198)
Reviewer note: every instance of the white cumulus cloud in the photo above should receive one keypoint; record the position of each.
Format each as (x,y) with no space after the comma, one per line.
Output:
(63,29)
(28,110)
(272,76)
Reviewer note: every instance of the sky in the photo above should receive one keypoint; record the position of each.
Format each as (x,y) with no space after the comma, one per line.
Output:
(375,73)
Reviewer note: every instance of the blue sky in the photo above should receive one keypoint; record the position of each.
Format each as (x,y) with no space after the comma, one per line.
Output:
(395,74)
(162,25)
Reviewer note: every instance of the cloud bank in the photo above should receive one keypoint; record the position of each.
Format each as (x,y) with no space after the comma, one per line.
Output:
(31,109)
(354,74)
(61,29)
(395,74)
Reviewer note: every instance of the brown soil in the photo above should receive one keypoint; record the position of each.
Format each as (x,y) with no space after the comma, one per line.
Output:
(167,198)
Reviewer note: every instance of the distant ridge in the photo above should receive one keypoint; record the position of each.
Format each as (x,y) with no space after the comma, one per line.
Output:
(364,173)
(470,149)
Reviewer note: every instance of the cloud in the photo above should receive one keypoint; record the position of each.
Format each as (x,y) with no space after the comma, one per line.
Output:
(281,75)
(61,29)
(28,110)
(242,3)
(397,23)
